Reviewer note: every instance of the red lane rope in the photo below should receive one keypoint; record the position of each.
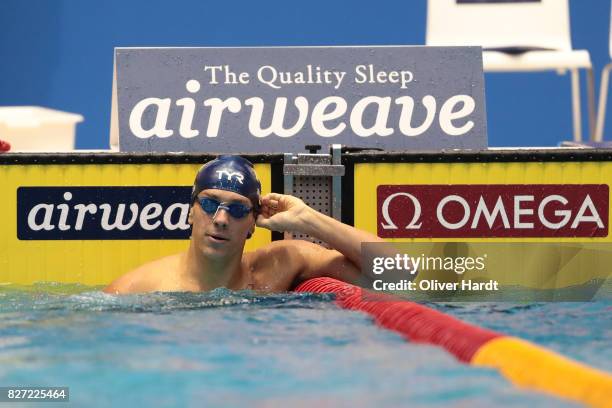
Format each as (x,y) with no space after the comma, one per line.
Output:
(416,322)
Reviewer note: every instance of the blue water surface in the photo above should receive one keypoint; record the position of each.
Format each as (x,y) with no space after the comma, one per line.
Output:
(225,348)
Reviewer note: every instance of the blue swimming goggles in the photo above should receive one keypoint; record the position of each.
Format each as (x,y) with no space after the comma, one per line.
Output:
(236,210)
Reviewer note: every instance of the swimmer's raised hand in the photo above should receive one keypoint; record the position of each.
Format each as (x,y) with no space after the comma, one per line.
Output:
(281,212)
(290,214)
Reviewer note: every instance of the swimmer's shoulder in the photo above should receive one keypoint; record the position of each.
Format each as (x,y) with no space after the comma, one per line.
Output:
(284,254)
(298,260)
(276,266)
(146,278)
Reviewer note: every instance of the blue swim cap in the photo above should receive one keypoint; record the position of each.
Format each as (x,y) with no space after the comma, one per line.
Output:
(230,173)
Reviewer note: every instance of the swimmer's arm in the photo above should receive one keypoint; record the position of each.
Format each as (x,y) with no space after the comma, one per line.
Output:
(146,278)
(126,284)
(117,287)
(316,261)
(287,213)
(281,212)
(132,282)
(342,237)
(347,241)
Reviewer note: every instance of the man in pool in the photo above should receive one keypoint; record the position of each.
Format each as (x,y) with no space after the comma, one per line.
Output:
(225,208)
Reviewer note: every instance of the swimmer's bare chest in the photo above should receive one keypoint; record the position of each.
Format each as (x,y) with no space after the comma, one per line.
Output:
(260,279)
(263,270)
(267,279)
(267,273)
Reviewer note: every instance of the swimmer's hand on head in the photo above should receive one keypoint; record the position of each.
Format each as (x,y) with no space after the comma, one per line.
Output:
(279,212)
(286,213)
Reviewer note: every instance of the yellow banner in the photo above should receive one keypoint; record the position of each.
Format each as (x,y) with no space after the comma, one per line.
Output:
(554,267)
(369,176)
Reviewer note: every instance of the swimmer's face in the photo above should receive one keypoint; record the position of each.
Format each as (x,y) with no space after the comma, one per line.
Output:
(220,234)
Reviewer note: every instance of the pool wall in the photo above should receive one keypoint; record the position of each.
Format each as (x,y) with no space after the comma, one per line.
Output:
(40,246)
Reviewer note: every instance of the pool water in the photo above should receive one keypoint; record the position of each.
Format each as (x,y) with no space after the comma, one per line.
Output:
(226,348)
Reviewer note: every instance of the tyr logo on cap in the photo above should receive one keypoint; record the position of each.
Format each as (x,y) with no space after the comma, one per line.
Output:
(230,174)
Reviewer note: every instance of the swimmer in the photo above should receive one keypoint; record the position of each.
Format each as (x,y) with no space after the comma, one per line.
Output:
(225,209)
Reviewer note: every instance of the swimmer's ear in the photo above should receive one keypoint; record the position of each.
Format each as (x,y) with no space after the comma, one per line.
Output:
(190,216)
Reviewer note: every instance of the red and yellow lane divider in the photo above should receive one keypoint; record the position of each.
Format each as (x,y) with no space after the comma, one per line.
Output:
(523,363)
